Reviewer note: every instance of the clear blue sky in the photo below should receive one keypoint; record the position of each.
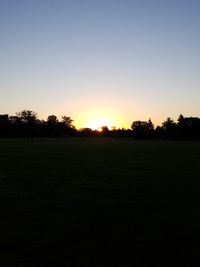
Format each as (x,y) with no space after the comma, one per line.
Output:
(140,58)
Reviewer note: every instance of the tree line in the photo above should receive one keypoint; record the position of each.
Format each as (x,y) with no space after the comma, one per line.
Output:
(26,124)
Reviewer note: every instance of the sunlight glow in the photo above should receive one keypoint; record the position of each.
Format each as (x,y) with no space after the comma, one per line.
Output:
(95,118)
(100,122)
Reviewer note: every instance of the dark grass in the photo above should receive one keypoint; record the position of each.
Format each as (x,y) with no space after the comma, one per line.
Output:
(99,202)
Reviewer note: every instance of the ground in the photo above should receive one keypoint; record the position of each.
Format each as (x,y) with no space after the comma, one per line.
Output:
(99,202)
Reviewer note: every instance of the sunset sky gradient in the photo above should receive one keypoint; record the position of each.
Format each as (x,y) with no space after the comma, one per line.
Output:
(124,60)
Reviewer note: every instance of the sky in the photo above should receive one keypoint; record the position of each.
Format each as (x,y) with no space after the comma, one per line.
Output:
(115,61)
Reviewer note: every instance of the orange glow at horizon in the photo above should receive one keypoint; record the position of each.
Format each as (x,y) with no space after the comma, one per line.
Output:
(97,118)
(96,124)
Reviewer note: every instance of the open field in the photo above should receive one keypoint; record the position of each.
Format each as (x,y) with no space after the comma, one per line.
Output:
(99,202)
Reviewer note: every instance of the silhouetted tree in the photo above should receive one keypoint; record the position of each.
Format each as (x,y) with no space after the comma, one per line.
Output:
(27,116)
(159,132)
(4,125)
(67,121)
(105,131)
(66,126)
(188,127)
(170,128)
(143,129)
(86,132)
(28,119)
(183,127)
(52,125)
(25,123)
(16,126)
(52,120)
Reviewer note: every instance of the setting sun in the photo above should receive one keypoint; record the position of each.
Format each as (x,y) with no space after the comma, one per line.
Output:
(100,122)
(95,118)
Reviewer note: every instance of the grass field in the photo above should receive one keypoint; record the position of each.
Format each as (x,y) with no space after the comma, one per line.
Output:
(99,202)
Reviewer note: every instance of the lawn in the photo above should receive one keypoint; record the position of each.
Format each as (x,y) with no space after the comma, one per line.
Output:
(99,202)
